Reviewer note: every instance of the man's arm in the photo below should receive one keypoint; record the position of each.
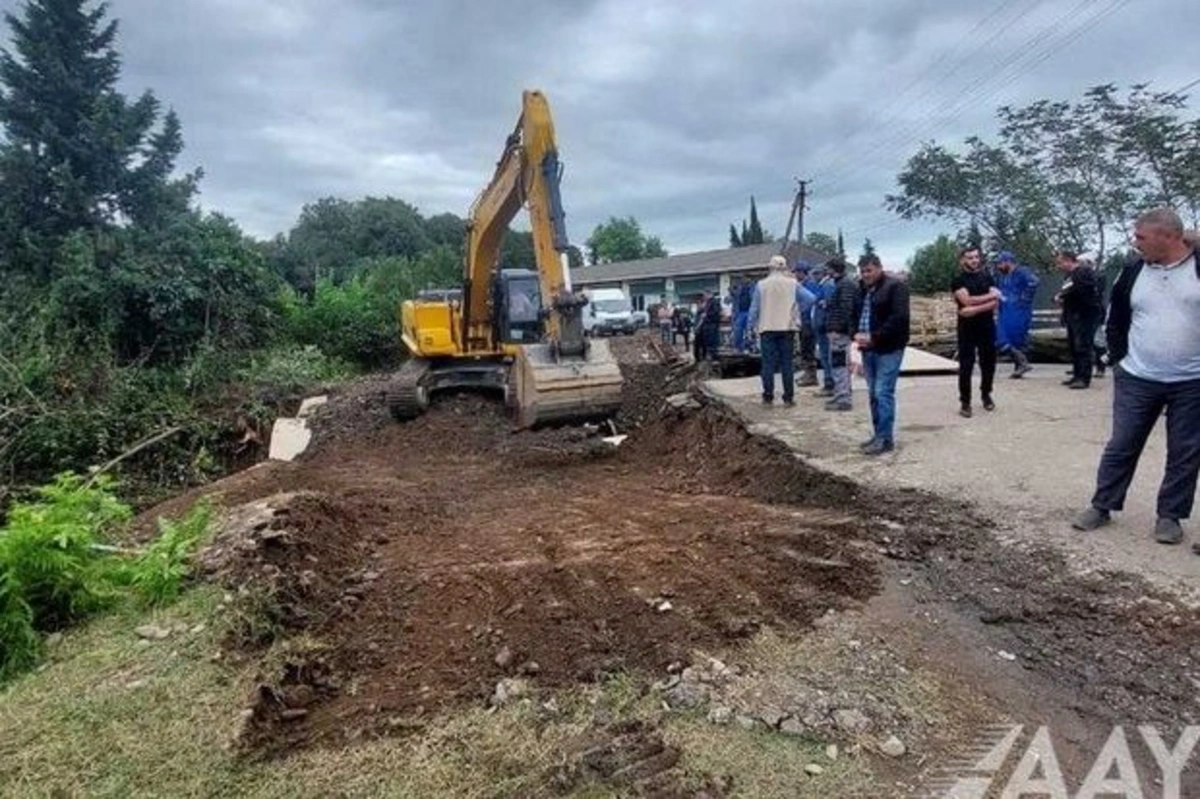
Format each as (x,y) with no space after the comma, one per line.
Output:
(990,304)
(804,298)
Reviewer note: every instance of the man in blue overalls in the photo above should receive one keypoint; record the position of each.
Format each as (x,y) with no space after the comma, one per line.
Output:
(1018,285)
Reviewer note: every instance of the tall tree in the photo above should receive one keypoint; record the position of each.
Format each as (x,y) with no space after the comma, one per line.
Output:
(745,233)
(841,245)
(933,266)
(622,240)
(734,239)
(756,231)
(822,242)
(868,247)
(77,154)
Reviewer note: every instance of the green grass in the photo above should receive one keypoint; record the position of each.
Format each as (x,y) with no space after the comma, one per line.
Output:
(108,716)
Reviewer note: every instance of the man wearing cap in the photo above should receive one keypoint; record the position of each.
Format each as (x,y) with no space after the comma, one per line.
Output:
(1083,310)
(841,320)
(778,303)
(824,291)
(808,340)
(1018,286)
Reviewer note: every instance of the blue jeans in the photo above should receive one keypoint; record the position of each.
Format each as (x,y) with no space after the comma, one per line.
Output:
(740,320)
(778,353)
(881,371)
(825,356)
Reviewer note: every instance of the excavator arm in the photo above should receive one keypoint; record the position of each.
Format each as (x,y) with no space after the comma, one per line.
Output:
(527,174)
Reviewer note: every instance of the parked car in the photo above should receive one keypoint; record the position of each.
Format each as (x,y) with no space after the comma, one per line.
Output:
(608,312)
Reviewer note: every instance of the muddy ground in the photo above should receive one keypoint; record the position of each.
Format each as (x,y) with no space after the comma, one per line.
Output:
(446,560)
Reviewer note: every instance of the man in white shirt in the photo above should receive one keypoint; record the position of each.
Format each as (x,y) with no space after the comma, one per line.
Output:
(1153,333)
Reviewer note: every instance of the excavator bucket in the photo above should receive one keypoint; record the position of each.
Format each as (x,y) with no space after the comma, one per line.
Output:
(551,390)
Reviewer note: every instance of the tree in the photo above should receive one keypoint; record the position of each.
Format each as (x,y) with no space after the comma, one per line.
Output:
(756,231)
(972,237)
(621,240)
(933,266)
(734,239)
(841,245)
(1062,173)
(822,242)
(745,233)
(868,247)
(77,154)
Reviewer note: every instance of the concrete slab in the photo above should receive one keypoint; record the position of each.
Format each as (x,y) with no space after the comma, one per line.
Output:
(310,404)
(289,438)
(1030,464)
(917,361)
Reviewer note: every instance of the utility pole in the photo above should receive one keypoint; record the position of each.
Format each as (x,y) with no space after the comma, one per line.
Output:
(796,216)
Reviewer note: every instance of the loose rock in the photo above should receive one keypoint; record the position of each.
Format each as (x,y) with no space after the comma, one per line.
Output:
(152,632)
(720,715)
(508,690)
(851,721)
(792,726)
(813,770)
(504,658)
(893,747)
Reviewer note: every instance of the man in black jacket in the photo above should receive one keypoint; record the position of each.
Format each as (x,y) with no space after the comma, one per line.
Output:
(882,335)
(1153,336)
(841,321)
(1082,312)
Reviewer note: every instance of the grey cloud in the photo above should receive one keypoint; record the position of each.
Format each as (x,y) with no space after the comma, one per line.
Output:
(672,112)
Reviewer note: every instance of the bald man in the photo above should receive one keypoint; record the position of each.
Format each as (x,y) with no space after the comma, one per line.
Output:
(1153,335)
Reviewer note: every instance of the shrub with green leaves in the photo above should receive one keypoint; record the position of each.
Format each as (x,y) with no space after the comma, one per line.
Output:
(57,567)
(159,572)
(52,572)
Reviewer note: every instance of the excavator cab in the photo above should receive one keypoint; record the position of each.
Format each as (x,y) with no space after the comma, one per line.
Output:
(517,304)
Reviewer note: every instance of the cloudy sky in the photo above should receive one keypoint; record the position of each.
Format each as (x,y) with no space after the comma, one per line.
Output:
(673,112)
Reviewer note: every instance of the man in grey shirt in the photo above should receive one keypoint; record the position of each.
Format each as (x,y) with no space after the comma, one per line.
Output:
(1153,333)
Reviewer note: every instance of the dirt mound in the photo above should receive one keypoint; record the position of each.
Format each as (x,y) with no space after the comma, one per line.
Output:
(437,558)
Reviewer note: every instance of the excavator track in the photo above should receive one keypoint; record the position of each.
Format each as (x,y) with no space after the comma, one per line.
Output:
(408,396)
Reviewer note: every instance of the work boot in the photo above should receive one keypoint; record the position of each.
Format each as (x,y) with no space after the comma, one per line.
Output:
(1076,384)
(965,411)
(1092,519)
(826,392)
(1168,531)
(870,442)
(809,378)
(878,448)
(834,405)
(988,405)
(1020,364)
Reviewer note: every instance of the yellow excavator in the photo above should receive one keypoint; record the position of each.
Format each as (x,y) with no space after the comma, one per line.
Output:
(515,331)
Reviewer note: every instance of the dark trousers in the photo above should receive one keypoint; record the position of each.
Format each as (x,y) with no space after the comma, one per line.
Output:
(1137,405)
(1081,334)
(777,355)
(975,338)
(808,349)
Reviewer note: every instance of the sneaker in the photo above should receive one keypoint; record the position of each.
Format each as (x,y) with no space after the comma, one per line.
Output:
(1092,519)
(834,405)
(1070,380)
(824,393)
(988,405)
(768,400)
(787,403)
(1075,385)
(1021,371)
(868,443)
(1168,531)
(808,380)
(965,411)
(878,448)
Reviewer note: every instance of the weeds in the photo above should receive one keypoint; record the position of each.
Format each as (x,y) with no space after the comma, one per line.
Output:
(56,566)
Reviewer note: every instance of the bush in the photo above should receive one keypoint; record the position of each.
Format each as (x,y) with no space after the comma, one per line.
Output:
(57,567)
(293,367)
(52,572)
(158,573)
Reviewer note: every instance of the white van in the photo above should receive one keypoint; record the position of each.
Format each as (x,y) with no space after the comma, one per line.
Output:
(608,312)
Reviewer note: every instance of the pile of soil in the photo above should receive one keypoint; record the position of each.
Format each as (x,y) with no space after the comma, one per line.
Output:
(435,559)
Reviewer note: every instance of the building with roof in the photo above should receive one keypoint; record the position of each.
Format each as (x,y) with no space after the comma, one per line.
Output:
(679,278)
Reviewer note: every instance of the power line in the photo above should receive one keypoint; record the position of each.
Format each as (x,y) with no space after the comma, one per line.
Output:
(840,160)
(1044,46)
